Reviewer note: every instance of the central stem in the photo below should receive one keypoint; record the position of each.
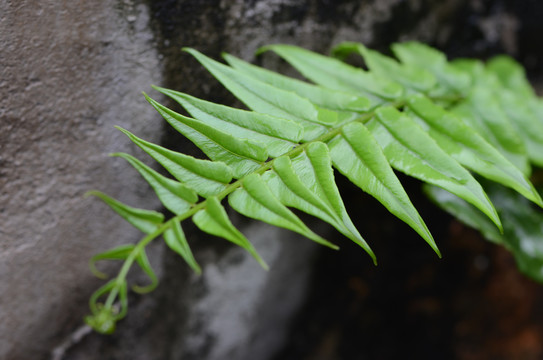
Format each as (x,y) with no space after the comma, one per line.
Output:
(123,272)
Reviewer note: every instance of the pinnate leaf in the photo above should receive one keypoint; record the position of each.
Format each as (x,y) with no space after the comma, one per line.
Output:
(214,220)
(424,57)
(146,221)
(268,99)
(411,150)
(417,79)
(327,98)
(469,148)
(176,240)
(357,155)
(175,196)
(276,134)
(334,74)
(242,155)
(307,183)
(484,113)
(283,153)
(256,200)
(205,177)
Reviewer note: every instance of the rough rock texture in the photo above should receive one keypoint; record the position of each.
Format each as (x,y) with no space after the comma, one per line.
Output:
(71,70)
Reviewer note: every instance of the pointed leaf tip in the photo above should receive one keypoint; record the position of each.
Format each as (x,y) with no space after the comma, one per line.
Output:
(176,240)
(144,220)
(256,200)
(215,221)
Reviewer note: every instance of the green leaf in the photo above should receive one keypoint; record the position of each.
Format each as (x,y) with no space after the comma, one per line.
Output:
(337,75)
(276,134)
(523,232)
(411,150)
(307,183)
(327,98)
(146,221)
(523,225)
(483,113)
(467,147)
(242,155)
(175,196)
(357,155)
(474,69)
(270,100)
(425,57)
(214,220)
(511,74)
(463,211)
(118,253)
(144,264)
(175,239)
(411,77)
(256,200)
(205,177)
(525,121)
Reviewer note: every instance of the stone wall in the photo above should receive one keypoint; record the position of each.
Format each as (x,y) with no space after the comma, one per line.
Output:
(71,70)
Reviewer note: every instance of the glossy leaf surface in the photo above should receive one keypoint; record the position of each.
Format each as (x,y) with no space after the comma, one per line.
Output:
(268,99)
(469,148)
(482,112)
(411,150)
(276,134)
(307,183)
(335,74)
(357,155)
(282,155)
(175,196)
(256,200)
(327,98)
(242,155)
(214,220)
(204,177)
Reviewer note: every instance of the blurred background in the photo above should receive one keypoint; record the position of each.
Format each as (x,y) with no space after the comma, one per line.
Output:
(71,70)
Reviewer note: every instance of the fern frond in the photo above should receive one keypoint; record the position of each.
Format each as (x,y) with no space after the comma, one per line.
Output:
(278,135)
(411,150)
(413,78)
(469,147)
(318,95)
(428,118)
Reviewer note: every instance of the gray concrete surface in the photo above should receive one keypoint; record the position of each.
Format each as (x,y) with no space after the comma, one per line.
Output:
(69,71)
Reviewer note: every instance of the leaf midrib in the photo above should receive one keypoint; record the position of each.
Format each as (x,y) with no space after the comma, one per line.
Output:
(227,191)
